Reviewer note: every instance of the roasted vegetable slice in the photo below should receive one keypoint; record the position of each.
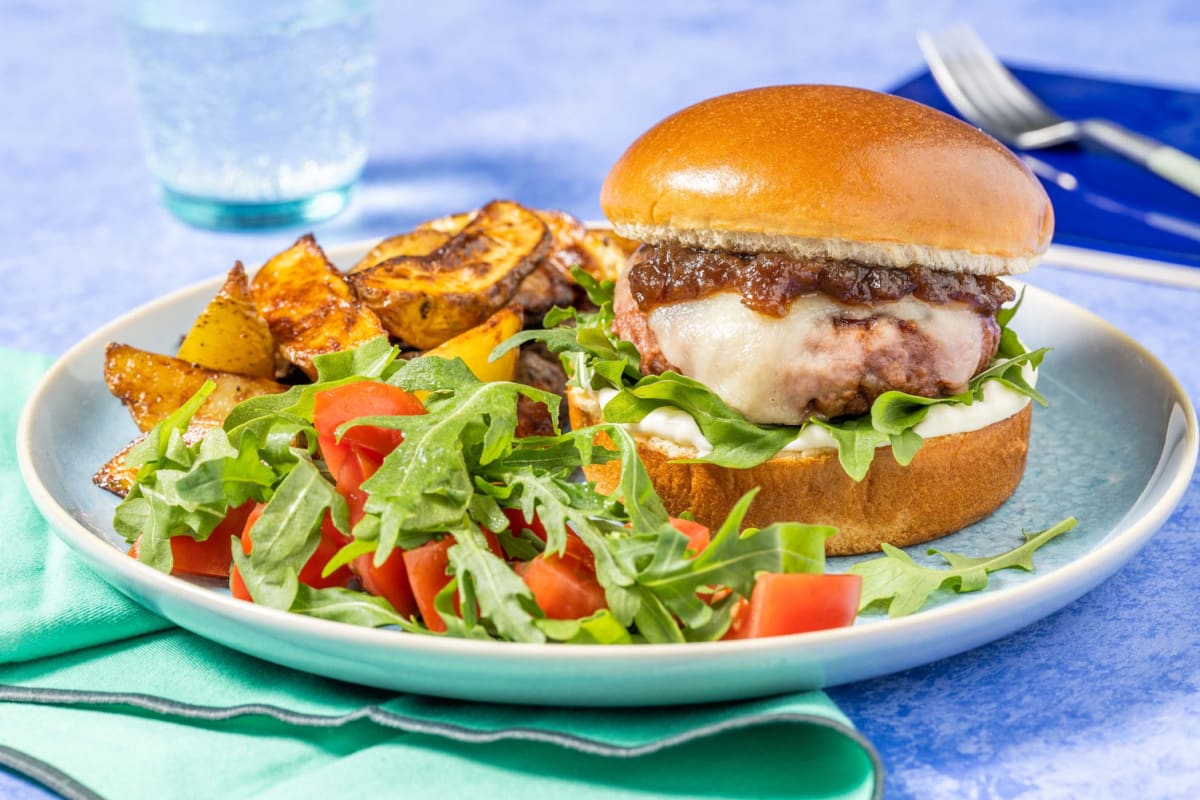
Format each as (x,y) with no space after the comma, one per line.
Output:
(451,223)
(229,335)
(419,242)
(152,386)
(474,346)
(595,251)
(117,477)
(426,300)
(309,307)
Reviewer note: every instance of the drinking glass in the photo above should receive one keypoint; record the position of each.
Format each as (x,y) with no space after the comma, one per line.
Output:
(254,112)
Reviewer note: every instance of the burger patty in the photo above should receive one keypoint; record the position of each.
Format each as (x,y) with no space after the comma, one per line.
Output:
(823,356)
(769,282)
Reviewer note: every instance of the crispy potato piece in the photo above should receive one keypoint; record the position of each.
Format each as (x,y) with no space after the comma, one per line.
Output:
(474,346)
(309,307)
(425,300)
(229,335)
(576,245)
(451,223)
(152,386)
(607,253)
(117,477)
(418,242)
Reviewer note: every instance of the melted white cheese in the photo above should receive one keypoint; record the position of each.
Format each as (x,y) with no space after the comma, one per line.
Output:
(771,369)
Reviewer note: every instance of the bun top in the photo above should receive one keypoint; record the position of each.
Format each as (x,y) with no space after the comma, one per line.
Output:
(831,171)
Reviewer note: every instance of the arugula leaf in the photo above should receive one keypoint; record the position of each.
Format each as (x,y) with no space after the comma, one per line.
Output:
(286,535)
(732,559)
(902,586)
(346,605)
(736,442)
(425,484)
(503,597)
(600,628)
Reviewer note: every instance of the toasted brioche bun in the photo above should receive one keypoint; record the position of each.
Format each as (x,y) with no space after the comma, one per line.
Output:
(831,171)
(953,481)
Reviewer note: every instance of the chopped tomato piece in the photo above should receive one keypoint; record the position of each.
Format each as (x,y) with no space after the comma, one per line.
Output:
(331,541)
(796,603)
(211,557)
(333,407)
(563,588)
(389,581)
(426,566)
(698,535)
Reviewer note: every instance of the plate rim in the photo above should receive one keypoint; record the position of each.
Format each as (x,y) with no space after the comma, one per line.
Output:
(1071,580)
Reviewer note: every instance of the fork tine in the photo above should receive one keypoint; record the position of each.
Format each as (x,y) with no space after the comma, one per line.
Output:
(947,79)
(979,86)
(994,113)
(1005,85)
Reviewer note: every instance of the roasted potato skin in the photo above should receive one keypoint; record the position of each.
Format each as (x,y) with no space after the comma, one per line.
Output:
(117,476)
(152,386)
(229,335)
(418,242)
(425,300)
(309,307)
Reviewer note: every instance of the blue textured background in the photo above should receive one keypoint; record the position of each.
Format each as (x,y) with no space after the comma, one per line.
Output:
(535,101)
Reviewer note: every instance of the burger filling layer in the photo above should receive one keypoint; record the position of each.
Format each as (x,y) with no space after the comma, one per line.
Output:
(826,345)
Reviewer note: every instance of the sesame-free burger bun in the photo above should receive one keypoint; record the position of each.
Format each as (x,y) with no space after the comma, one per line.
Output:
(830,171)
(954,480)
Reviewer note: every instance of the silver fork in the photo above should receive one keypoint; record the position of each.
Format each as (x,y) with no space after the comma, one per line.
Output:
(987,94)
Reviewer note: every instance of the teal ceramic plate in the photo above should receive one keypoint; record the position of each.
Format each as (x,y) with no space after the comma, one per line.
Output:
(1115,448)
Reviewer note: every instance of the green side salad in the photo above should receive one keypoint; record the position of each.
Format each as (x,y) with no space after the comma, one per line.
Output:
(459,479)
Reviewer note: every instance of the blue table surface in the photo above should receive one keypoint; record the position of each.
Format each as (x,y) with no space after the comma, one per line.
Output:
(534,102)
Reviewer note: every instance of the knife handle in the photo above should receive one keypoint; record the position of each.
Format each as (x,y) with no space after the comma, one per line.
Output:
(1163,160)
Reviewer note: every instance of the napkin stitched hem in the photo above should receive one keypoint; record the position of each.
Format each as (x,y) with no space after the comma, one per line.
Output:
(53,779)
(162,705)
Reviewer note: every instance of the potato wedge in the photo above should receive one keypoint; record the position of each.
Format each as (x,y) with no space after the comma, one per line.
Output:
(229,335)
(309,307)
(418,242)
(117,477)
(576,245)
(152,386)
(451,223)
(474,346)
(426,300)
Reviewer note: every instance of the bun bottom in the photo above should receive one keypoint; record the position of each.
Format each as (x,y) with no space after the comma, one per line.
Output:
(953,481)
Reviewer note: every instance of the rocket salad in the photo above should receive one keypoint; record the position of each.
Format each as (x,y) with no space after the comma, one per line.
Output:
(396,493)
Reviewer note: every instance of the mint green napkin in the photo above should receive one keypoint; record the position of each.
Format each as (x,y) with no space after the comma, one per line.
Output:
(100,696)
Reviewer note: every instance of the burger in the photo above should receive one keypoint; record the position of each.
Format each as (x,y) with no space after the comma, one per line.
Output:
(817,310)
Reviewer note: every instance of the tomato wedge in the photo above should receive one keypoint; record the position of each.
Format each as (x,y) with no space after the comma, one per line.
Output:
(333,407)
(331,541)
(796,603)
(698,535)
(211,557)
(563,588)
(389,581)
(427,568)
